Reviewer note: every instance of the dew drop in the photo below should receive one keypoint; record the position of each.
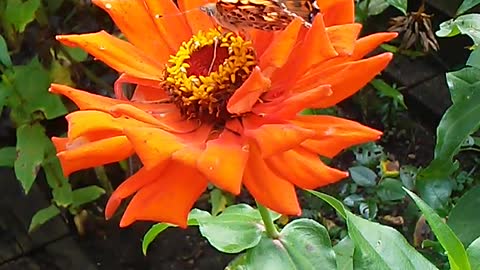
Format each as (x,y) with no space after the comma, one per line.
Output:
(102,48)
(210,168)
(246,148)
(108,6)
(158,16)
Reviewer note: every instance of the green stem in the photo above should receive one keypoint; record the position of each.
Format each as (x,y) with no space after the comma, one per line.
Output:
(268,221)
(103,179)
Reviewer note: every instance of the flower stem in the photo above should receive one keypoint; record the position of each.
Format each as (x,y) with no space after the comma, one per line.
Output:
(268,221)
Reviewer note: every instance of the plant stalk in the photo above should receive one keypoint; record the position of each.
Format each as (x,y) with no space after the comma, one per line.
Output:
(270,228)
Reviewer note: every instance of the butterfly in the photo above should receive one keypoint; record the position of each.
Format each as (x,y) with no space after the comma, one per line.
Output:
(267,15)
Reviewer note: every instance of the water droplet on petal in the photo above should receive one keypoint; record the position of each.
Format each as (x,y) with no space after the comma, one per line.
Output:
(102,48)
(108,6)
(246,148)
(210,168)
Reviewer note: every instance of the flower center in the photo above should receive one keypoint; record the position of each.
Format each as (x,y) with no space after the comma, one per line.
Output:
(206,71)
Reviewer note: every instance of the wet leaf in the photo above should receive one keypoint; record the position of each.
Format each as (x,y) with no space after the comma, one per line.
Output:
(42,216)
(303,244)
(464,214)
(463,83)
(468,24)
(457,255)
(237,228)
(474,59)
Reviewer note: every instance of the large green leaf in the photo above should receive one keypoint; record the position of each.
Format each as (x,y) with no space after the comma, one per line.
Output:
(464,215)
(473,252)
(382,247)
(463,83)
(466,24)
(457,255)
(466,5)
(237,228)
(61,187)
(377,246)
(474,59)
(19,13)
(31,145)
(302,244)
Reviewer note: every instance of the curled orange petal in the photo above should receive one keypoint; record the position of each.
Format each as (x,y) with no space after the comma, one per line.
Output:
(247,95)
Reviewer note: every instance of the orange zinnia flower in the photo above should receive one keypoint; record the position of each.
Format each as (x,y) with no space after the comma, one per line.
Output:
(211,107)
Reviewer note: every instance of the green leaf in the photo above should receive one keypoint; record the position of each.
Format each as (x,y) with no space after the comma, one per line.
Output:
(473,252)
(218,201)
(390,189)
(463,83)
(363,176)
(382,247)
(377,246)
(31,82)
(197,215)
(457,255)
(336,204)
(31,145)
(8,156)
(474,59)
(61,188)
(375,7)
(4,55)
(303,244)
(152,234)
(466,5)
(86,195)
(43,216)
(239,227)
(20,13)
(388,91)
(400,5)
(77,54)
(344,254)
(466,24)
(464,214)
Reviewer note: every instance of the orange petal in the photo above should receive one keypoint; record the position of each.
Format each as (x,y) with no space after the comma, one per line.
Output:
(343,37)
(248,94)
(345,79)
(368,43)
(116,53)
(333,134)
(60,143)
(171,24)
(337,12)
(289,107)
(198,20)
(169,199)
(304,169)
(83,99)
(261,40)
(131,185)
(224,160)
(94,154)
(268,188)
(277,54)
(128,16)
(154,146)
(276,138)
(83,122)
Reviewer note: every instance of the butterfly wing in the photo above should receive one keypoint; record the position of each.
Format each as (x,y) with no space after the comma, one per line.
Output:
(307,9)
